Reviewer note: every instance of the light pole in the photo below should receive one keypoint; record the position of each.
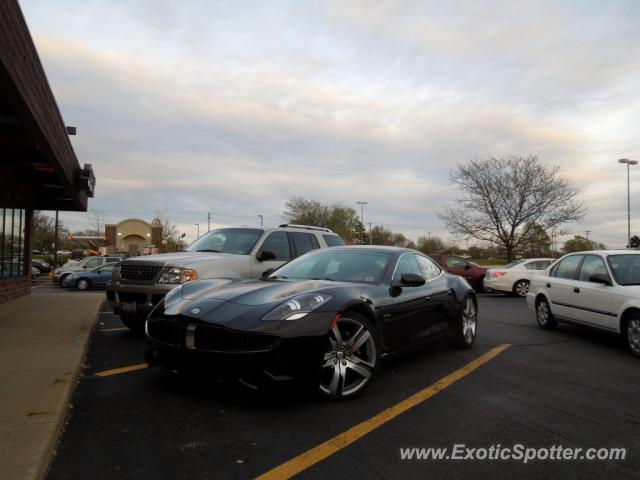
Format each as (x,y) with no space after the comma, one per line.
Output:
(362,204)
(198,225)
(628,162)
(261,220)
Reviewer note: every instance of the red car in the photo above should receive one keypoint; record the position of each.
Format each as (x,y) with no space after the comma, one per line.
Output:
(473,273)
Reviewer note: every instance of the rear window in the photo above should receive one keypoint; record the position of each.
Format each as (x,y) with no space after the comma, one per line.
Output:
(333,240)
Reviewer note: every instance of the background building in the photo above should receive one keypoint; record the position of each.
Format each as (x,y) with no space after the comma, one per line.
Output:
(133,236)
(38,167)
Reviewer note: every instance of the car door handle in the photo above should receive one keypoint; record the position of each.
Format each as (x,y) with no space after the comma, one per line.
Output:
(576,289)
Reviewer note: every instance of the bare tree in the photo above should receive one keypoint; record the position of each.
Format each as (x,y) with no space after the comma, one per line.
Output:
(504,198)
(96,222)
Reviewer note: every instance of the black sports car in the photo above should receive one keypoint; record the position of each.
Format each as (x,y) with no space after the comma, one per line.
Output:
(327,317)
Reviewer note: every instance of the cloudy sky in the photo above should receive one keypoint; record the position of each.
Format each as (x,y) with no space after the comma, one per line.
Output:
(233,107)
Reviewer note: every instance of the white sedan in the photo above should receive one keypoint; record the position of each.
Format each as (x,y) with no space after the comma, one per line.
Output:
(598,289)
(515,277)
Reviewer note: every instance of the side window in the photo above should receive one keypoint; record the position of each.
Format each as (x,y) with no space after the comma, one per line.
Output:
(592,265)
(542,265)
(333,240)
(301,242)
(429,269)
(278,243)
(108,267)
(93,263)
(113,259)
(314,242)
(532,266)
(455,262)
(567,267)
(407,264)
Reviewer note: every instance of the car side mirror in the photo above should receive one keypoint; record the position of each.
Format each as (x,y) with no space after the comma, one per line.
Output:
(265,255)
(602,279)
(411,280)
(267,272)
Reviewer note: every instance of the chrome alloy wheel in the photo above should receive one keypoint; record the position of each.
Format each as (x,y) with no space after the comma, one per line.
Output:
(522,288)
(633,335)
(350,360)
(82,284)
(469,321)
(542,313)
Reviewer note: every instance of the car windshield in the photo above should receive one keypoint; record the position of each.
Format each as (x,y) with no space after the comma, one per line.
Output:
(513,264)
(625,268)
(239,241)
(341,265)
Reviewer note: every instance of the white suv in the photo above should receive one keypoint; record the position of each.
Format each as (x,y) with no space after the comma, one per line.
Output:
(598,289)
(139,283)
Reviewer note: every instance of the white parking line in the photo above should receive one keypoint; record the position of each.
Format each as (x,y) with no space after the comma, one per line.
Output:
(119,329)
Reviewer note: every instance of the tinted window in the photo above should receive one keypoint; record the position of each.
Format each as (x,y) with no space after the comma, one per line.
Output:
(93,263)
(429,268)
(107,268)
(333,240)
(407,264)
(329,264)
(113,259)
(455,262)
(625,268)
(301,242)
(567,267)
(592,265)
(278,243)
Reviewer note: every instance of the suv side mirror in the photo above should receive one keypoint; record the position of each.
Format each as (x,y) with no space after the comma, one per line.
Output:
(265,255)
(600,278)
(411,280)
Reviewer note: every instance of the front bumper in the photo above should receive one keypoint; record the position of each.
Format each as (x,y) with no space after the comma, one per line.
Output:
(135,298)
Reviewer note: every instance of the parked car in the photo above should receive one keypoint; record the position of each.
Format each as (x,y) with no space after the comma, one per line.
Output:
(515,277)
(326,318)
(139,283)
(35,273)
(86,279)
(598,289)
(457,265)
(64,252)
(88,263)
(42,266)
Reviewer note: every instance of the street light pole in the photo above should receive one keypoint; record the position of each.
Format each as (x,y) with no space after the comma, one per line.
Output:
(628,162)
(261,220)
(198,225)
(362,204)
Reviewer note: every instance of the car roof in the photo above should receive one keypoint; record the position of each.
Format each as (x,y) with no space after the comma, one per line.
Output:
(609,252)
(375,248)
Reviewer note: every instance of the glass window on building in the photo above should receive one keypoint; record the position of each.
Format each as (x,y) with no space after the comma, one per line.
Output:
(12,238)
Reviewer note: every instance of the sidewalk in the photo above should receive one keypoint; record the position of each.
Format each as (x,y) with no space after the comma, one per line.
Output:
(42,343)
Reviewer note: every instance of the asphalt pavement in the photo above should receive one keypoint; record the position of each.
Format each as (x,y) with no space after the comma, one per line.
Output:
(571,387)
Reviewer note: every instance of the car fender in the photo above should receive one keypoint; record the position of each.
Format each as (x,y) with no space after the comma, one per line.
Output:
(628,305)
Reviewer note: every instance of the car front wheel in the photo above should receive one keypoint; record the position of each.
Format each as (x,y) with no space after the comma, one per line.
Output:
(544,316)
(351,357)
(83,284)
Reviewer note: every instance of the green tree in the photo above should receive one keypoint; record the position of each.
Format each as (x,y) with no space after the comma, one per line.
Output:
(171,239)
(43,232)
(537,243)
(502,198)
(341,219)
(432,244)
(581,244)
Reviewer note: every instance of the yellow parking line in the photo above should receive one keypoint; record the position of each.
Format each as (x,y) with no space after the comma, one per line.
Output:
(333,445)
(116,371)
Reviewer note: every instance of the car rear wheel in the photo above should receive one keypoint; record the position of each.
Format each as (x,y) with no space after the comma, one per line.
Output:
(521,288)
(83,284)
(632,335)
(133,322)
(351,358)
(544,316)
(464,331)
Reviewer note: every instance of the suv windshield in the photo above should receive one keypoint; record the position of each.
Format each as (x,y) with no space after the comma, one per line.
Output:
(342,266)
(625,268)
(239,241)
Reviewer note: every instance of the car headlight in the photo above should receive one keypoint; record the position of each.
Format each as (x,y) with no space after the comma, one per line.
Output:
(177,275)
(297,307)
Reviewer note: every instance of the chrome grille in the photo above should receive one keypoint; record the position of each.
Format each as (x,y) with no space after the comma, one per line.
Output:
(144,273)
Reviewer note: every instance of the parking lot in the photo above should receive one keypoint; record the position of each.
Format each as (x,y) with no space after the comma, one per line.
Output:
(570,387)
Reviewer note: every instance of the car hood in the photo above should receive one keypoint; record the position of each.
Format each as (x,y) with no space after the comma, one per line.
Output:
(180,259)
(252,292)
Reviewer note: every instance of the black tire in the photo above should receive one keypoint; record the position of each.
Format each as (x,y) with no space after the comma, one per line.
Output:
(133,322)
(631,334)
(480,288)
(352,377)
(464,330)
(544,317)
(61,279)
(520,288)
(83,284)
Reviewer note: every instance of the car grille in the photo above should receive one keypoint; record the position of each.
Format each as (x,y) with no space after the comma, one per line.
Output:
(166,331)
(212,338)
(144,273)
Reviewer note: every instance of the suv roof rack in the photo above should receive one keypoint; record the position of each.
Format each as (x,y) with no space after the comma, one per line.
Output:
(304,227)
